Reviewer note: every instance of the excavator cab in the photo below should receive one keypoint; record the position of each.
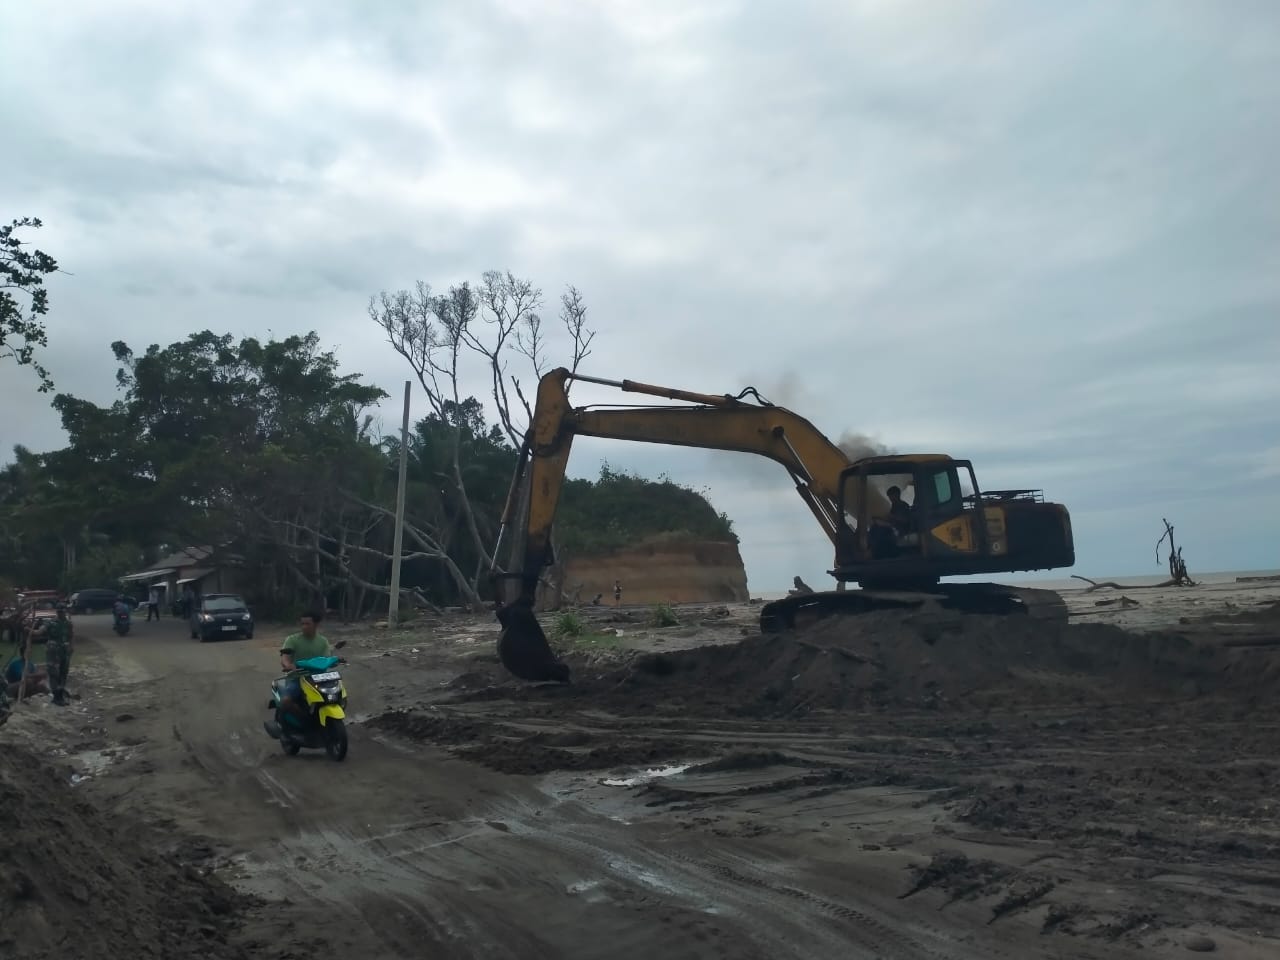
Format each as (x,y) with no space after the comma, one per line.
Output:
(945,526)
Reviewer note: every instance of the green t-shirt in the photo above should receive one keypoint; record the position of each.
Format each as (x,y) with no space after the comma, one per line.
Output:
(303,648)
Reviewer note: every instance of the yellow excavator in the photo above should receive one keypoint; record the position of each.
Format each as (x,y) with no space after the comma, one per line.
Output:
(898,523)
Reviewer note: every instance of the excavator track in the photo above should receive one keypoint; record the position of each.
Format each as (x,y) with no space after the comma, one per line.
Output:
(988,599)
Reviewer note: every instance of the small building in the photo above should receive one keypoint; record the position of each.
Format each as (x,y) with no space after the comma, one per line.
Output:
(194,567)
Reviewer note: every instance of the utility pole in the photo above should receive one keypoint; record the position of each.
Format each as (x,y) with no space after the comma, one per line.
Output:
(393,612)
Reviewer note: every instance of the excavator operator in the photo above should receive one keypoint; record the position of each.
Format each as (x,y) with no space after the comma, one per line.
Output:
(882,538)
(899,511)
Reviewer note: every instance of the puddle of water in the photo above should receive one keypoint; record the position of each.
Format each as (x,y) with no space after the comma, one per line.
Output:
(592,891)
(653,773)
(90,763)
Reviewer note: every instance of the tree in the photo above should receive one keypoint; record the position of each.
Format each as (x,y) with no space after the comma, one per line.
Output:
(22,273)
(265,451)
(490,325)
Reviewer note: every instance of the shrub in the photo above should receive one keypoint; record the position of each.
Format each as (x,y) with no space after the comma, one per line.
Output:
(663,615)
(569,624)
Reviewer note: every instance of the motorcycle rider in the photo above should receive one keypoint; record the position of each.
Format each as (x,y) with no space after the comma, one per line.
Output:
(307,643)
(120,609)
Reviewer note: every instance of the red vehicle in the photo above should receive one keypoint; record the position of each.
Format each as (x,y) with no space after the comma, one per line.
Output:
(35,609)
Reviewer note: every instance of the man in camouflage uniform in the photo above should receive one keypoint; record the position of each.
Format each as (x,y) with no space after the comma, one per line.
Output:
(57,654)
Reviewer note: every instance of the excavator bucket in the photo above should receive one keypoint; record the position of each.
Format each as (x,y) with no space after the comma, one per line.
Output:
(523,647)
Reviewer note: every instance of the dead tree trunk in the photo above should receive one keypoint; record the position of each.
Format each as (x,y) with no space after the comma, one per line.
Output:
(1177,566)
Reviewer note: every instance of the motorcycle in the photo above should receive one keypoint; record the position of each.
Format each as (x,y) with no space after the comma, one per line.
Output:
(325,697)
(121,620)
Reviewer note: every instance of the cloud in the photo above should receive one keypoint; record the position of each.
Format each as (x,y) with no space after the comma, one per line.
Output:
(1041,236)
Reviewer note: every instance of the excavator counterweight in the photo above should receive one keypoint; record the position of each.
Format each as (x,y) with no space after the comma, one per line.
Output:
(898,523)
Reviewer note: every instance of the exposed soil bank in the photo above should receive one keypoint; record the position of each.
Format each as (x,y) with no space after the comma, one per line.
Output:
(77,884)
(662,572)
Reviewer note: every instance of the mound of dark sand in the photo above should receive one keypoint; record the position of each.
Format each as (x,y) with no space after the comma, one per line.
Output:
(1266,613)
(76,884)
(888,659)
(511,749)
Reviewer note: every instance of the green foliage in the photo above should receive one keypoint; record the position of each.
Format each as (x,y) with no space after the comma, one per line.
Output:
(263,450)
(22,271)
(101,566)
(663,615)
(622,509)
(588,642)
(568,625)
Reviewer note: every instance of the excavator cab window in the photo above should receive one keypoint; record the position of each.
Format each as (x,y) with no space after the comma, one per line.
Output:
(875,528)
(944,487)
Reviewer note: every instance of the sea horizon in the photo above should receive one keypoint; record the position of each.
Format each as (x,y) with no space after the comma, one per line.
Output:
(1055,582)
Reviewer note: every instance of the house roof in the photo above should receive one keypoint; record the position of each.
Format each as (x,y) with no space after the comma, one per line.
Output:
(148,574)
(186,557)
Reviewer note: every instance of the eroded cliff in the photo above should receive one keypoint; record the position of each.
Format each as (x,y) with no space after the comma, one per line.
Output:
(661,571)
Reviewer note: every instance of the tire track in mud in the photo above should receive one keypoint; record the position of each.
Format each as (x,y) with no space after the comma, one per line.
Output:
(924,941)
(396,882)
(753,898)
(314,860)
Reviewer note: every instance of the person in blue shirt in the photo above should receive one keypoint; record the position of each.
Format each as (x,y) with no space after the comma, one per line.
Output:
(36,678)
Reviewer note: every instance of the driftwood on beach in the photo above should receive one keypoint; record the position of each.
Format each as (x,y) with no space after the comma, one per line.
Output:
(1112,585)
(1178,576)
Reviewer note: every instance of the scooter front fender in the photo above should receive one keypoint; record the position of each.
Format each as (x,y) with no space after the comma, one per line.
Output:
(331,711)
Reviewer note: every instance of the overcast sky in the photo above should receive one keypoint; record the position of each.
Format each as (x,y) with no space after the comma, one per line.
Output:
(1044,236)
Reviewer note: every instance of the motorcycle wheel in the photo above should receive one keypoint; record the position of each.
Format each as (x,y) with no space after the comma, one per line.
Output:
(289,746)
(335,740)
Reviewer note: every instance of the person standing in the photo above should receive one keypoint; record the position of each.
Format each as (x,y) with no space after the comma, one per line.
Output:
(153,604)
(188,601)
(58,646)
(617,592)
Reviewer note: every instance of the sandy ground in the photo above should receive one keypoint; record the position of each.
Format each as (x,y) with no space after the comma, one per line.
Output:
(915,791)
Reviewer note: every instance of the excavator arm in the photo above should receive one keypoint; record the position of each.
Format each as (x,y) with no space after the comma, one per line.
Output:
(706,421)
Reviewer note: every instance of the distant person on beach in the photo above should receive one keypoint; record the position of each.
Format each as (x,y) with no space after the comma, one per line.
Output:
(617,592)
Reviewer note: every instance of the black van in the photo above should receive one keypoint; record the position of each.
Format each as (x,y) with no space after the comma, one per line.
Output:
(95,599)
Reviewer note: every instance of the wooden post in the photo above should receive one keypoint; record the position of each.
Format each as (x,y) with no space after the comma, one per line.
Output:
(393,609)
(26,655)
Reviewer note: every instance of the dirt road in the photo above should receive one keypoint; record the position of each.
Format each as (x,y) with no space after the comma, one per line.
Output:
(658,809)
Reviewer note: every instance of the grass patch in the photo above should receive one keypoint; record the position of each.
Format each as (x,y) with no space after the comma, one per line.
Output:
(595,641)
(571,632)
(663,615)
(568,626)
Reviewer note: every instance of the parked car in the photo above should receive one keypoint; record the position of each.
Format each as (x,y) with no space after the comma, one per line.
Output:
(221,615)
(95,599)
